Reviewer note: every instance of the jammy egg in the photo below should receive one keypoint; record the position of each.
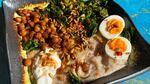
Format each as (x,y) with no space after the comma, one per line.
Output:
(118,48)
(112,26)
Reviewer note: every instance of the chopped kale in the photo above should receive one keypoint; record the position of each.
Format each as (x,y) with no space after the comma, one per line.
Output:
(91,26)
(93,10)
(31,45)
(128,33)
(73,78)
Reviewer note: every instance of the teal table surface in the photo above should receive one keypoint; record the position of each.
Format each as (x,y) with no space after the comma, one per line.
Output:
(139,11)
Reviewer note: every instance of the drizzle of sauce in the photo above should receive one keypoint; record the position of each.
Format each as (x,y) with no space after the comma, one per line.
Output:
(117,45)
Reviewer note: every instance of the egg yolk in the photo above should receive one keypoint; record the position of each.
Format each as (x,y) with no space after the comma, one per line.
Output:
(117,45)
(114,26)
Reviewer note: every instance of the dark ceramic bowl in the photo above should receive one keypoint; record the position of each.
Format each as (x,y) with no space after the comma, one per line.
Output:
(138,63)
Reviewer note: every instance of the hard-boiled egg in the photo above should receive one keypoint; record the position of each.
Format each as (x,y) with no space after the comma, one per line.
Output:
(118,48)
(45,66)
(112,26)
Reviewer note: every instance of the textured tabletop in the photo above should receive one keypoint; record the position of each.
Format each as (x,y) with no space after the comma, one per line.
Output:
(138,10)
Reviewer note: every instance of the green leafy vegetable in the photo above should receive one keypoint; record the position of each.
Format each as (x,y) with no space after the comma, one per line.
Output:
(91,12)
(56,2)
(133,58)
(31,45)
(132,30)
(91,26)
(73,78)
(104,12)
(128,33)
(53,10)
(66,11)
(94,12)
(64,20)
(99,7)
(58,12)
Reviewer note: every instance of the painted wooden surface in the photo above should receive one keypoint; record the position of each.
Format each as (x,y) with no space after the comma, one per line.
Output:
(141,79)
(139,11)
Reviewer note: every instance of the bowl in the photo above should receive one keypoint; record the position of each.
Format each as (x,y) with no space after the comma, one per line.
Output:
(137,63)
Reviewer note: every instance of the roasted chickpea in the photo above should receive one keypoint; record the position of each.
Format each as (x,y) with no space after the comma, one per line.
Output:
(55,39)
(74,66)
(45,34)
(32,33)
(36,20)
(64,50)
(44,46)
(27,62)
(65,43)
(28,14)
(42,23)
(37,28)
(43,27)
(21,27)
(23,32)
(35,15)
(28,26)
(46,19)
(49,30)
(52,25)
(17,19)
(72,56)
(85,67)
(67,36)
(42,40)
(71,41)
(60,77)
(61,34)
(41,31)
(23,19)
(31,23)
(53,28)
(38,35)
(63,30)
(24,11)
(27,18)
(69,30)
(25,38)
(60,70)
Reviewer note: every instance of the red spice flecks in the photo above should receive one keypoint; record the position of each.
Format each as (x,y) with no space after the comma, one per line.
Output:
(119,53)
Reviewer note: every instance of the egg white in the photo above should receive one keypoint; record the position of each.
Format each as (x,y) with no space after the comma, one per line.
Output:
(103,26)
(44,80)
(44,74)
(124,55)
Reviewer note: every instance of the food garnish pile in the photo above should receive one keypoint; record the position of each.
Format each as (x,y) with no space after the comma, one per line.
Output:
(70,41)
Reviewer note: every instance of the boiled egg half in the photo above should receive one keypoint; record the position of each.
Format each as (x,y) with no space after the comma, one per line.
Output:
(112,26)
(118,48)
